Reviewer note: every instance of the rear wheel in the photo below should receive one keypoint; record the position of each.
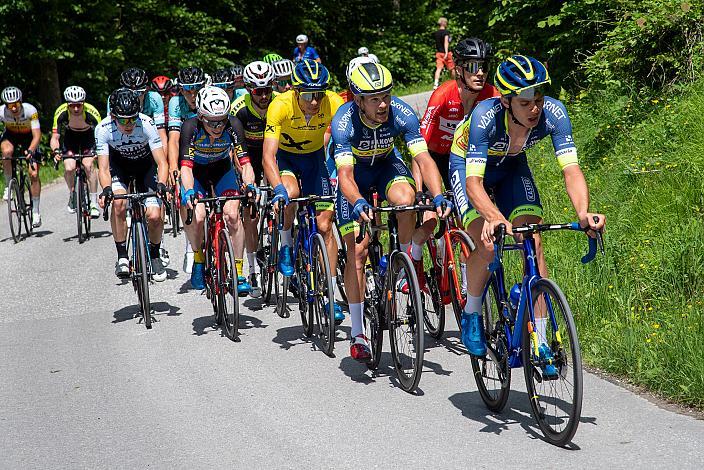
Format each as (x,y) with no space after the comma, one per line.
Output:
(461,246)
(28,207)
(140,275)
(492,372)
(404,313)
(228,299)
(14,210)
(302,275)
(211,276)
(556,401)
(323,294)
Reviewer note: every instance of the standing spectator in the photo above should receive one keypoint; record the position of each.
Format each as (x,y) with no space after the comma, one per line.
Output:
(364,52)
(303,50)
(443,55)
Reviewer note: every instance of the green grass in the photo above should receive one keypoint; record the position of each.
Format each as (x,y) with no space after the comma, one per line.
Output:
(638,309)
(412,89)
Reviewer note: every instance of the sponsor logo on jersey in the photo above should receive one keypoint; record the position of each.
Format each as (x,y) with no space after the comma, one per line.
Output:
(555,109)
(458,191)
(528,187)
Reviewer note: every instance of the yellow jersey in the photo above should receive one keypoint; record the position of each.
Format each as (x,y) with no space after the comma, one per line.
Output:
(286,122)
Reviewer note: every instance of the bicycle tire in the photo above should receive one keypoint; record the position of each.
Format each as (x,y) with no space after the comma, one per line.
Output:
(227,286)
(302,276)
(323,294)
(211,276)
(141,272)
(372,318)
(175,216)
(433,308)
(269,270)
(408,370)
(341,263)
(28,207)
(493,369)
(14,210)
(78,194)
(460,242)
(569,365)
(86,209)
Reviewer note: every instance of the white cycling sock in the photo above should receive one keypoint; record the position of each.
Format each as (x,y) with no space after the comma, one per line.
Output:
(286,238)
(416,251)
(35,204)
(189,248)
(356,317)
(541,325)
(404,247)
(94,198)
(252,261)
(473,305)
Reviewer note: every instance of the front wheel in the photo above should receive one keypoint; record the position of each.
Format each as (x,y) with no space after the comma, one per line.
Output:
(140,274)
(555,392)
(372,317)
(15,207)
(405,317)
(323,293)
(27,207)
(461,246)
(433,308)
(303,285)
(228,299)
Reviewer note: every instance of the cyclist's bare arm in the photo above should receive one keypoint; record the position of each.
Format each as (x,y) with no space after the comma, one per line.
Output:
(271,168)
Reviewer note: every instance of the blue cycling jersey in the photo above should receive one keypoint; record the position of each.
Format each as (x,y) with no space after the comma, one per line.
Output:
(153,107)
(354,141)
(197,147)
(481,141)
(179,111)
(309,53)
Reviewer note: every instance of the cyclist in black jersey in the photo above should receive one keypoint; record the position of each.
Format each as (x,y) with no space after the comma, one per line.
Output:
(251,109)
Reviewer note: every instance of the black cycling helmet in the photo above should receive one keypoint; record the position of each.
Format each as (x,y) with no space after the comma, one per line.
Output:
(471,49)
(191,76)
(124,103)
(134,79)
(223,76)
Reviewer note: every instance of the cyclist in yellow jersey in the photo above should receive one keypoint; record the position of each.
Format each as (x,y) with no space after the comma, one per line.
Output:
(295,138)
(76,120)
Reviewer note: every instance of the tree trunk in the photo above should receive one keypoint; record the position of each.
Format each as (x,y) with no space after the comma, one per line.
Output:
(49,90)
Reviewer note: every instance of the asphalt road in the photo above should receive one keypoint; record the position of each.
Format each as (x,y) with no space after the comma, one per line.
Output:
(84,385)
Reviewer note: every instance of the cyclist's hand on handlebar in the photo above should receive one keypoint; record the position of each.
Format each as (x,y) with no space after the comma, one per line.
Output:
(361,210)
(594,225)
(489,230)
(161,190)
(188,199)
(105,196)
(253,192)
(173,176)
(443,206)
(57,154)
(280,194)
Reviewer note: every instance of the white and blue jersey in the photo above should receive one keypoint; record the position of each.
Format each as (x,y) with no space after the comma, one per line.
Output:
(153,107)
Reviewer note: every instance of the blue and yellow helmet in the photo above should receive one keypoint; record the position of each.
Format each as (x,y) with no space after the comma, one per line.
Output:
(310,75)
(520,75)
(370,79)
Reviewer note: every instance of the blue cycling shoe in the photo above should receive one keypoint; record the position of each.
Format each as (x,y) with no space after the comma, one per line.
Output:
(339,316)
(243,287)
(473,334)
(286,261)
(548,362)
(198,276)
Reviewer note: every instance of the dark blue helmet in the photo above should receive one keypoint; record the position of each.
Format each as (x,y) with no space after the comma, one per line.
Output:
(309,75)
(519,73)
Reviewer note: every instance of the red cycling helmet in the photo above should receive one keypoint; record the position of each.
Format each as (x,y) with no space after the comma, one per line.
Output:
(161,84)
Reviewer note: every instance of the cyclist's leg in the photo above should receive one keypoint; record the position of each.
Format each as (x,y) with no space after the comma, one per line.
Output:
(227,185)
(118,221)
(288,168)
(155,222)
(7,149)
(251,225)
(315,179)
(399,189)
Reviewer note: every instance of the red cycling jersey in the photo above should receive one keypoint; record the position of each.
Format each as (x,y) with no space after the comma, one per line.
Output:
(444,112)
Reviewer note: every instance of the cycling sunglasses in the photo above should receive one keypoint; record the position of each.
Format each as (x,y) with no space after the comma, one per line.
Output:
(126,121)
(191,86)
(283,83)
(225,85)
(214,124)
(261,91)
(312,95)
(474,66)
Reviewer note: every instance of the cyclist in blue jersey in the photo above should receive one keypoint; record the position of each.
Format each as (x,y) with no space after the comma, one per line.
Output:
(183,107)
(363,132)
(488,154)
(152,105)
(303,50)
(209,143)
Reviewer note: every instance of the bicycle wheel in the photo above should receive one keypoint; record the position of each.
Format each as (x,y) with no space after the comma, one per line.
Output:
(405,317)
(28,207)
(86,208)
(228,299)
(302,276)
(268,256)
(211,276)
(175,215)
(372,318)
(433,308)
(15,207)
(140,275)
(323,294)
(341,263)
(78,196)
(556,401)
(492,372)
(462,246)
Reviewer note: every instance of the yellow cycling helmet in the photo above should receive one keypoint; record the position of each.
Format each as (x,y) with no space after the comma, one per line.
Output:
(370,79)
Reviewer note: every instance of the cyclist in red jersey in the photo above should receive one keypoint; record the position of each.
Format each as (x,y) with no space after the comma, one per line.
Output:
(453,100)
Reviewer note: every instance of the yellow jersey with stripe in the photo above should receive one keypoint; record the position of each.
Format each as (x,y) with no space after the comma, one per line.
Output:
(27,120)
(63,119)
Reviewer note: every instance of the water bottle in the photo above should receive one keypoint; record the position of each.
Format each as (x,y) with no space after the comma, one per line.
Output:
(515,295)
(383,264)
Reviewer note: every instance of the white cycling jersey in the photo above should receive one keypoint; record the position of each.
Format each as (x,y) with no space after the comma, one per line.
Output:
(136,145)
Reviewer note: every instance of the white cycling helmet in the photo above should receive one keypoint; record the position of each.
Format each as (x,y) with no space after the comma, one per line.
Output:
(74,94)
(301,39)
(283,68)
(356,62)
(258,74)
(11,94)
(362,51)
(212,102)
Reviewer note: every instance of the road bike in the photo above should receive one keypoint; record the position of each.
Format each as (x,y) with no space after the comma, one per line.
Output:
(552,365)
(174,205)
(81,194)
(268,246)
(19,201)
(387,305)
